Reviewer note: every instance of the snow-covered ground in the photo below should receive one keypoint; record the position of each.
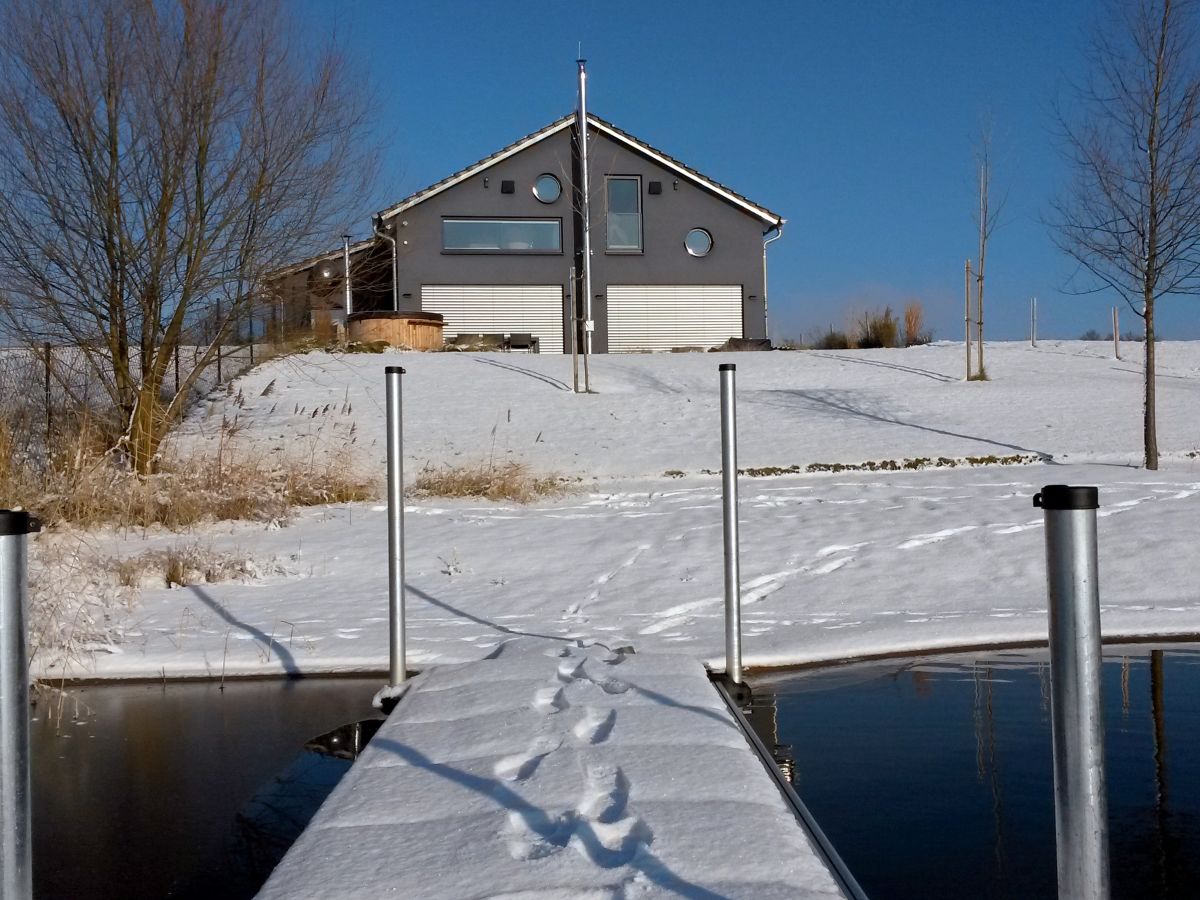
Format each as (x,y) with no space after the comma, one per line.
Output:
(655,413)
(833,565)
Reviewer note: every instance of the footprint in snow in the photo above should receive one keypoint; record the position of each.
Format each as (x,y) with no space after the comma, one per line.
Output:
(921,540)
(521,766)
(595,726)
(840,548)
(833,565)
(550,700)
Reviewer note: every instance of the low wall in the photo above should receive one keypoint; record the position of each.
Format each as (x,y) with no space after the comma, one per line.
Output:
(416,330)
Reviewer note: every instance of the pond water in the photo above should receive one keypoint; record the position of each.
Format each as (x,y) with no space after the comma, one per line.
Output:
(932,776)
(183,790)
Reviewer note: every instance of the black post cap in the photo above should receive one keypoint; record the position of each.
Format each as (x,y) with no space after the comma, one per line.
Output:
(1065,496)
(17,521)
(393,370)
(726,367)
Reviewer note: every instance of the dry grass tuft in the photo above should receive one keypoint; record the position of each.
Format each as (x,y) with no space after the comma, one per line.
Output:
(85,486)
(505,481)
(876,329)
(188,564)
(77,603)
(915,332)
(81,599)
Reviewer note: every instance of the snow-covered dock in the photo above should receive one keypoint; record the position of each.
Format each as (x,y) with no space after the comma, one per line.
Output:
(557,772)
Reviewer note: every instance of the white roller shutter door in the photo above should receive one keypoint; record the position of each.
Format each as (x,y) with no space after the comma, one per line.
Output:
(535,309)
(664,316)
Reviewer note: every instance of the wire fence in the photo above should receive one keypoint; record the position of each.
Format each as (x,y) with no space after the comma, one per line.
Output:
(48,389)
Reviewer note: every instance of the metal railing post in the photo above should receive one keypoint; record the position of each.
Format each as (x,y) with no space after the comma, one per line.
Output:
(1077,725)
(16,838)
(397,668)
(729,500)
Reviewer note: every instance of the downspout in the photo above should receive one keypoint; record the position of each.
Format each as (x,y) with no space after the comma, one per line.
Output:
(346,262)
(581,135)
(380,232)
(778,229)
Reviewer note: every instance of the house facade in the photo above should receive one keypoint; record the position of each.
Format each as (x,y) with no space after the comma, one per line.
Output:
(677,260)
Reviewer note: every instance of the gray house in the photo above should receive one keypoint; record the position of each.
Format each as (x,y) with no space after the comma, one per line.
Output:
(678,260)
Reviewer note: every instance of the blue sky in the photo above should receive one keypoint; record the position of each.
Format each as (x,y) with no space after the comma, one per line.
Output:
(855,121)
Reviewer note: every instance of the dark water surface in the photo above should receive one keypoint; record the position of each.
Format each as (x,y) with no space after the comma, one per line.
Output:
(932,776)
(146,791)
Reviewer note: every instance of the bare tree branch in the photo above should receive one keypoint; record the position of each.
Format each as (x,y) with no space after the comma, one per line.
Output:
(1131,216)
(157,159)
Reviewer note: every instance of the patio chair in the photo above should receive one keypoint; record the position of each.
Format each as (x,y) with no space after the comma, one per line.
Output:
(523,343)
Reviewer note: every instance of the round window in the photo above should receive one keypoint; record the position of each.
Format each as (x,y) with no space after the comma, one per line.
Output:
(698,242)
(547,188)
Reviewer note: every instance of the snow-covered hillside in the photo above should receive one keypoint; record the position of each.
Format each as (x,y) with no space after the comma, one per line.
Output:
(655,413)
(833,565)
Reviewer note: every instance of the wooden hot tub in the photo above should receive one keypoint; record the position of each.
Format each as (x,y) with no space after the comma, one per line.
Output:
(414,329)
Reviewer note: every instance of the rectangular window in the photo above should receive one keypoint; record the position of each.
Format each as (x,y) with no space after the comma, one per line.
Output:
(502,235)
(624,213)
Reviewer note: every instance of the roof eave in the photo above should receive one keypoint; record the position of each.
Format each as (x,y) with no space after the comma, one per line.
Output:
(311,261)
(470,171)
(772,220)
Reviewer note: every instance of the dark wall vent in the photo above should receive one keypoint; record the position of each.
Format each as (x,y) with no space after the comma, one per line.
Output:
(656,187)
(508,187)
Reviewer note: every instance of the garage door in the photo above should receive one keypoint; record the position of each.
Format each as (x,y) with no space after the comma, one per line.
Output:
(663,316)
(535,309)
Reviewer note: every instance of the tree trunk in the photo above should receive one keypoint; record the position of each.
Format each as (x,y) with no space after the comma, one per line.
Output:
(147,427)
(1150,429)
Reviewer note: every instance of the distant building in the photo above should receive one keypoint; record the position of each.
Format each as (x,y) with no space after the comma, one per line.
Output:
(678,260)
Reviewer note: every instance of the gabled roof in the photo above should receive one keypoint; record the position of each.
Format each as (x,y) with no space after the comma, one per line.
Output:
(613,132)
(357,247)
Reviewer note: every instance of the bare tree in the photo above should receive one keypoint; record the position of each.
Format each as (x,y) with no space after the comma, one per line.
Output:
(157,158)
(986,218)
(1131,218)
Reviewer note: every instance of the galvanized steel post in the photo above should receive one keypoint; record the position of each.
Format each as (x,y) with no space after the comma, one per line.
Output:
(733,594)
(397,667)
(16,838)
(1077,725)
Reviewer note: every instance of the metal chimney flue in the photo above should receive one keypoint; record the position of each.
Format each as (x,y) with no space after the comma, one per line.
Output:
(585,202)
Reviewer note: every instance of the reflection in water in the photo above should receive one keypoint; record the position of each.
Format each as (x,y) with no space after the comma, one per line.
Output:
(184,790)
(1160,765)
(280,810)
(933,776)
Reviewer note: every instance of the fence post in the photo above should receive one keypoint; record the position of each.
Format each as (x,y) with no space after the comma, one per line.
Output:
(574,333)
(49,405)
(1033,321)
(729,505)
(397,660)
(966,318)
(1076,716)
(16,838)
(1116,334)
(220,339)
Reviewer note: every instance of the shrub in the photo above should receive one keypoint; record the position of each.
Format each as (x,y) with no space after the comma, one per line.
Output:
(505,481)
(832,340)
(915,332)
(1093,335)
(876,330)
